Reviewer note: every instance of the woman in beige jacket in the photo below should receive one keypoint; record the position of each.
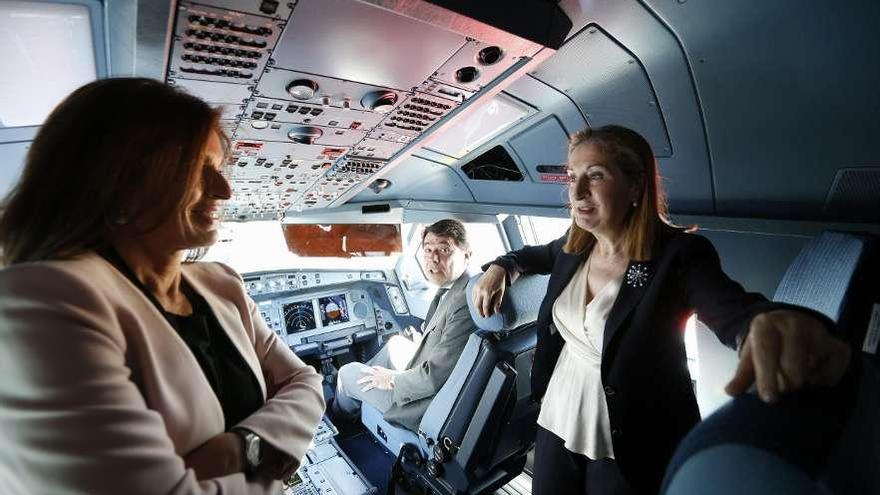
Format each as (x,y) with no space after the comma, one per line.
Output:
(123,369)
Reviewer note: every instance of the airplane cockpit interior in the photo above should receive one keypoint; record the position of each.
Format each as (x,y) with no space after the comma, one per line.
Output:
(353,125)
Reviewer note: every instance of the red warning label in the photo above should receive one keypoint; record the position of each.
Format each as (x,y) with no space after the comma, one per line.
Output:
(554,178)
(248,145)
(333,153)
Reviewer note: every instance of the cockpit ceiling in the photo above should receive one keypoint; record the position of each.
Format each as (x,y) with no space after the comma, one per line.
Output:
(320,96)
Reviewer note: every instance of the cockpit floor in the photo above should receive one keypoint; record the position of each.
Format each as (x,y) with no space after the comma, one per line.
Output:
(521,485)
(373,460)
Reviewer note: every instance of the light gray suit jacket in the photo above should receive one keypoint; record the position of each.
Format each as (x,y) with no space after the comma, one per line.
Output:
(444,340)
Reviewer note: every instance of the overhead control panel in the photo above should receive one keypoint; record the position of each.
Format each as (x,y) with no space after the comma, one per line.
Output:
(321,97)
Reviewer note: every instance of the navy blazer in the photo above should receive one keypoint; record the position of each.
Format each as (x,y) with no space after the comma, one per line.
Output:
(651,401)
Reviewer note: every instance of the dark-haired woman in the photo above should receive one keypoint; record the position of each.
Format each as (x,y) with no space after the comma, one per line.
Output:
(125,370)
(610,360)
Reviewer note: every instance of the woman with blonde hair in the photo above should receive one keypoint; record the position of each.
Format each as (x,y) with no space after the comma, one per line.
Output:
(124,369)
(610,363)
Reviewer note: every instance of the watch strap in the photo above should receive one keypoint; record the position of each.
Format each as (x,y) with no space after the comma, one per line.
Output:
(248,438)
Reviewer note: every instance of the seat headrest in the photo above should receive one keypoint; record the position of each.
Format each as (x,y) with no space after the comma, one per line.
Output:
(520,305)
(833,274)
(822,273)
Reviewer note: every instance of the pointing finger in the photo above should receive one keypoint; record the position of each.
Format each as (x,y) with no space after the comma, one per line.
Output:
(744,375)
(766,353)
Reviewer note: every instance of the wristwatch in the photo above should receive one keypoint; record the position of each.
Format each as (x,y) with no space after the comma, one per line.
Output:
(253,448)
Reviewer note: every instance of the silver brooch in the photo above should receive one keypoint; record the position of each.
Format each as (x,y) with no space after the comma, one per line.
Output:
(637,275)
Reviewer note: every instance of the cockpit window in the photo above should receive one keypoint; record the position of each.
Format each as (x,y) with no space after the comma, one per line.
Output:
(541,230)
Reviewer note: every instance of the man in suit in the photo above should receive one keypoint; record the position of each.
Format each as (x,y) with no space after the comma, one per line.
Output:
(403,395)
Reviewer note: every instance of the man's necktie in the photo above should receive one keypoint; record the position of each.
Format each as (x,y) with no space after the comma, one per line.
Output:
(433,307)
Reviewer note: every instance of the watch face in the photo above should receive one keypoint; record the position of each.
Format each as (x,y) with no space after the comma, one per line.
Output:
(253,449)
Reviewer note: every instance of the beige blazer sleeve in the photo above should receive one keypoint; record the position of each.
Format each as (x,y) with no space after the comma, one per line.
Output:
(75,420)
(294,394)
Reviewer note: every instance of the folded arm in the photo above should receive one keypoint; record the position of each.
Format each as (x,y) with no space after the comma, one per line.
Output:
(76,420)
(294,404)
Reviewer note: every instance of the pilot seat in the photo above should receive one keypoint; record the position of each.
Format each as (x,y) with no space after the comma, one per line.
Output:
(817,441)
(478,429)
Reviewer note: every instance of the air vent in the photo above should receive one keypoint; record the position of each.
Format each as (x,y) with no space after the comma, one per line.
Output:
(467,75)
(855,195)
(495,164)
(490,55)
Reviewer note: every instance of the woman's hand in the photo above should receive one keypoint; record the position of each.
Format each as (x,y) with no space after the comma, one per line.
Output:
(219,456)
(489,291)
(785,351)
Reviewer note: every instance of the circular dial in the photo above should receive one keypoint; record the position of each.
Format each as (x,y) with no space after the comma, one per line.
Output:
(299,316)
(302,89)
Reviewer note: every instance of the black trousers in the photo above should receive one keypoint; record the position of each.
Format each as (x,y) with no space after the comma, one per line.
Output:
(559,471)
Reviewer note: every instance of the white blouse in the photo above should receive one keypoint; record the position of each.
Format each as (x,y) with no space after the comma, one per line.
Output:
(574,407)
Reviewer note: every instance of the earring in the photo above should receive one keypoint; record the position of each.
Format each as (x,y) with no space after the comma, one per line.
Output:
(635,204)
(121,219)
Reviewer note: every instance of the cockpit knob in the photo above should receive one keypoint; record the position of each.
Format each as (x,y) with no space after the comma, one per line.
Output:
(304,134)
(302,89)
(379,101)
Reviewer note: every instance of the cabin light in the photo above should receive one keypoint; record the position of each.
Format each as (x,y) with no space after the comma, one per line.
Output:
(259,124)
(302,89)
(485,121)
(379,185)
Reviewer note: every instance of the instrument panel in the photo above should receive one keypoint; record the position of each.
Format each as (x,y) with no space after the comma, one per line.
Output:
(326,470)
(324,312)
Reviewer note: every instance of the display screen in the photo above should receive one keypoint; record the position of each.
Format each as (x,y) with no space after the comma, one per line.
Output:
(299,316)
(333,309)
